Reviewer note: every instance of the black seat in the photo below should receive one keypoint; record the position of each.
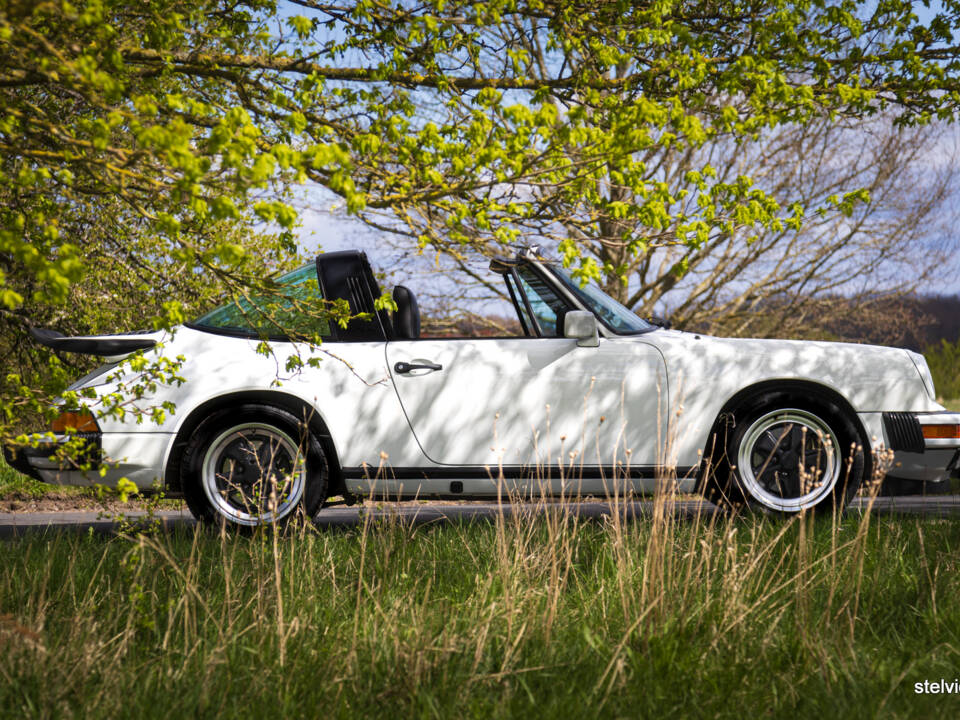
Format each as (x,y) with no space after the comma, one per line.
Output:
(406,320)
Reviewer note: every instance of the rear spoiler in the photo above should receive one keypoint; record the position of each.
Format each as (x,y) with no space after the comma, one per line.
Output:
(104,345)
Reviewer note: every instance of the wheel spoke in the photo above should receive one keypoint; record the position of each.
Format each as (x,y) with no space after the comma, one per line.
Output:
(796,438)
(233,453)
(767,443)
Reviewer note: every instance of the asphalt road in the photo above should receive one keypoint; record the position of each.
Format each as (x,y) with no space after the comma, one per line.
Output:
(17,524)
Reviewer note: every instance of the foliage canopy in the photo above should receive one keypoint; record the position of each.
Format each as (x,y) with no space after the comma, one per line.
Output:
(150,149)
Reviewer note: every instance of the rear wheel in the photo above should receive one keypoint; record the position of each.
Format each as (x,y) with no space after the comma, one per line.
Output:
(253,465)
(786,455)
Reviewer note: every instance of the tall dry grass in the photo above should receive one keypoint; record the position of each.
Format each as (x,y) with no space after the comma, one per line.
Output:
(664,608)
(535,609)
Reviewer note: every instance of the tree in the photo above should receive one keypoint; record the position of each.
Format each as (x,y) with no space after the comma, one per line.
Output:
(788,282)
(744,232)
(458,124)
(563,115)
(122,198)
(841,260)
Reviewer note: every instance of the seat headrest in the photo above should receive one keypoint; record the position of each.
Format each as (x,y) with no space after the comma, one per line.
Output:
(406,320)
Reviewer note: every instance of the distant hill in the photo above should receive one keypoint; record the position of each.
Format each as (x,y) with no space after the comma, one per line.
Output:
(911,321)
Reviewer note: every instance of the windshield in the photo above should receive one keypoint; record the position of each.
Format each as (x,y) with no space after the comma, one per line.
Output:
(291,312)
(614,315)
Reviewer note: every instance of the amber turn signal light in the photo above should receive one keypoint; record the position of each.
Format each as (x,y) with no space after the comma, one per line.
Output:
(941,432)
(76,421)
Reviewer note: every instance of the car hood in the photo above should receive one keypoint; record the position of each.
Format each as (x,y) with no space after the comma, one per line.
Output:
(870,377)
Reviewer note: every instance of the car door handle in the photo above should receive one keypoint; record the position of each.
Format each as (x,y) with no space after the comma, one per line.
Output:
(403,368)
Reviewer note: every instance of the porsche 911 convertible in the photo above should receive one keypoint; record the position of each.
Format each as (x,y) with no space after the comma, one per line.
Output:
(585,399)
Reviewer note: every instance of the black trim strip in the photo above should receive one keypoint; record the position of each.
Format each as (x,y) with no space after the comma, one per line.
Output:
(239,333)
(506,500)
(510,472)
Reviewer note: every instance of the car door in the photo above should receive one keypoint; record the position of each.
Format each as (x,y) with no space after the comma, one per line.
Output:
(535,401)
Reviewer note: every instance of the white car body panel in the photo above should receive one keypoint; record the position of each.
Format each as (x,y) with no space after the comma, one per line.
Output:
(662,386)
(351,390)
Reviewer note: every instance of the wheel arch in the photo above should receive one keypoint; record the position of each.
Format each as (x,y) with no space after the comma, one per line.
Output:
(753,395)
(293,404)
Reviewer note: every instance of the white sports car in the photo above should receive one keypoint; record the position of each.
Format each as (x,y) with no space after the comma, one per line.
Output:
(588,399)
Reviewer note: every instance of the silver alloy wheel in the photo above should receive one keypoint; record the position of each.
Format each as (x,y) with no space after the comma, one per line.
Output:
(789,460)
(253,474)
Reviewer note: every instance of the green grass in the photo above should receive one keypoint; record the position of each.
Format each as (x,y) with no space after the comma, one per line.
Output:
(952,404)
(535,617)
(14,484)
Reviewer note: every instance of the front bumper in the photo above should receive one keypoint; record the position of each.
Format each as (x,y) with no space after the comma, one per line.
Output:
(916,458)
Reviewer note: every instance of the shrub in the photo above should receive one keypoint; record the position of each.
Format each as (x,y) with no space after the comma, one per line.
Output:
(944,362)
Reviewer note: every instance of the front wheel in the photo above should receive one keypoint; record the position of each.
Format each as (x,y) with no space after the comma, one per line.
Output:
(788,456)
(253,465)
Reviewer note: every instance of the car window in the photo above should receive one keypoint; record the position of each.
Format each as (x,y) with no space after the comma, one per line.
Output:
(290,312)
(548,308)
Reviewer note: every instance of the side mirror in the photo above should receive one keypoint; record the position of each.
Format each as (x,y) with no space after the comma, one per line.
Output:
(582,326)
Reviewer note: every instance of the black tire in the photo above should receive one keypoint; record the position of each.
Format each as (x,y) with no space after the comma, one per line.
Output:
(757,462)
(253,465)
